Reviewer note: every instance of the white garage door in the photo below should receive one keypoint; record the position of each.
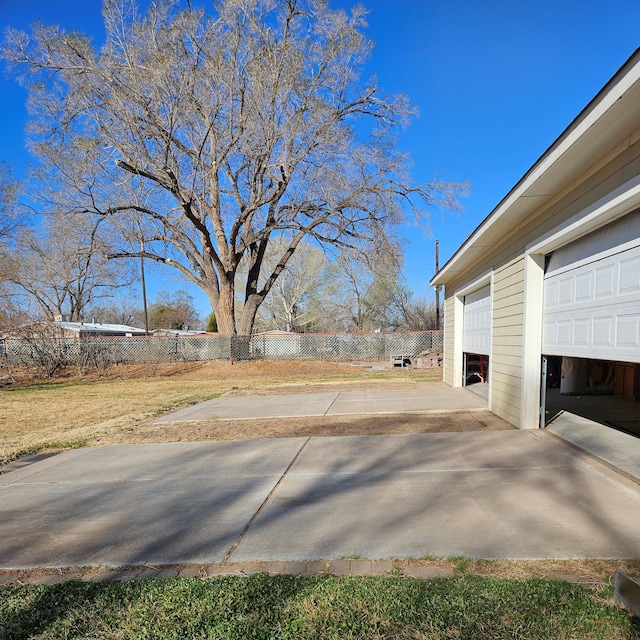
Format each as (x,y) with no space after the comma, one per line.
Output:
(477,322)
(592,295)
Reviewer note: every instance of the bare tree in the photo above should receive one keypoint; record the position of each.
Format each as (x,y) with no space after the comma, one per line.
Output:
(40,346)
(349,281)
(294,302)
(413,313)
(118,310)
(11,222)
(364,286)
(62,266)
(223,132)
(12,314)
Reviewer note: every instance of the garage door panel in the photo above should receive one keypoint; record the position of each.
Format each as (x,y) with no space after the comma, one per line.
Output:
(630,276)
(564,333)
(603,333)
(627,332)
(550,296)
(582,333)
(582,287)
(608,336)
(566,287)
(592,302)
(605,278)
(549,336)
(477,322)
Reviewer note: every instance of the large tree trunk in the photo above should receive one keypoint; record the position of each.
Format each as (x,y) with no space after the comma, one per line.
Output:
(225,308)
(245,326)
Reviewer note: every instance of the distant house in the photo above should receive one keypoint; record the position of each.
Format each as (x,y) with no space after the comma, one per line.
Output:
(94,329)
(553,272)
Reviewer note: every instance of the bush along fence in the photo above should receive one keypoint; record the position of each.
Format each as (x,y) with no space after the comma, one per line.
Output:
(101,352)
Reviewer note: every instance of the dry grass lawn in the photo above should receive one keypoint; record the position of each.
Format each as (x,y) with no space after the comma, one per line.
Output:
(37,416)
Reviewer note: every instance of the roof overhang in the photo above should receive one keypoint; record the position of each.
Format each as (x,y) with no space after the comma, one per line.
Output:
(606,125)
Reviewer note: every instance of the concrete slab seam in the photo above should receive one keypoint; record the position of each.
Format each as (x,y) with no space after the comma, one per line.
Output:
(259,510)
(326,412)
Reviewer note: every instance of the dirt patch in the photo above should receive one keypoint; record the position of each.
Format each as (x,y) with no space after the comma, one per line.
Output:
(314,426)
(268,377)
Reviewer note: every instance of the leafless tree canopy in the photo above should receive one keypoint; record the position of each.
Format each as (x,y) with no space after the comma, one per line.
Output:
(297,301)
(217,133)
(61,266)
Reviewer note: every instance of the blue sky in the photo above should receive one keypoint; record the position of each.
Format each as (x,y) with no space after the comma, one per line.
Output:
(495,81)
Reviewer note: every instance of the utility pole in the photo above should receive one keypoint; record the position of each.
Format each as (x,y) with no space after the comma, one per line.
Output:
(437,286)
(144,284)
(144,297)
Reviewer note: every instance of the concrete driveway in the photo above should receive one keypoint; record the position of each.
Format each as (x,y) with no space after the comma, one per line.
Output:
(428,397)
(499,494)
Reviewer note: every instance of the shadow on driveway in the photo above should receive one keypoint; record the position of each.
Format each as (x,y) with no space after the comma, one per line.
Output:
(501,494)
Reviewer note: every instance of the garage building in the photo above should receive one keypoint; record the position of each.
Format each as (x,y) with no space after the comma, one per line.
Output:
(546,291)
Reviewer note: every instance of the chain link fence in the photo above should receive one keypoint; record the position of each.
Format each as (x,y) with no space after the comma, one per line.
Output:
(343,346)
(101,352)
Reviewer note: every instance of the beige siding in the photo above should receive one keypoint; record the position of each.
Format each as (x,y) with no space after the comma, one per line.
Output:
(447,369)
(506,351)
(502,405)
(506,325)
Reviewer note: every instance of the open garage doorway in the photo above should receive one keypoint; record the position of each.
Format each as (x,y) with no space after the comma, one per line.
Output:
(476,373)
(602,391)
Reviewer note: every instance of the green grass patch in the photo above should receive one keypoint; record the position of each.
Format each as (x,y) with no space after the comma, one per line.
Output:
(45,447)
(283,607)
